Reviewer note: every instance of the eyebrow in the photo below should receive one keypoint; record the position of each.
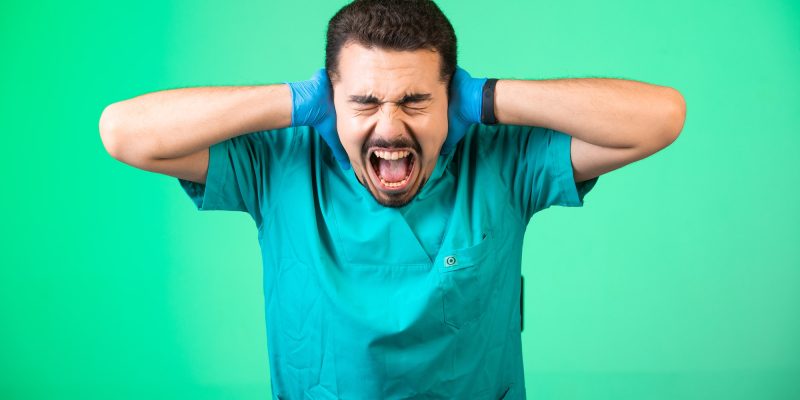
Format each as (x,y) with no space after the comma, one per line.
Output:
(409,98)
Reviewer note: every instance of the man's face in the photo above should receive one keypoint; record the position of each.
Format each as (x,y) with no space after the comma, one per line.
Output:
(391,115)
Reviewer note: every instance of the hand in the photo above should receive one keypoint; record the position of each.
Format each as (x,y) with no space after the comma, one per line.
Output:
(464,107)
(312,105)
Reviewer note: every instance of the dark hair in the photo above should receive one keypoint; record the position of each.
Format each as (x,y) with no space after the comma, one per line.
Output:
(394,25)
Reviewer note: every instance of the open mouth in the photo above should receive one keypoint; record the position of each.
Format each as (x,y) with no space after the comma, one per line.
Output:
(393,169)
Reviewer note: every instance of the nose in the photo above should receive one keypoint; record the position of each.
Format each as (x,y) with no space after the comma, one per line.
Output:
(390,123)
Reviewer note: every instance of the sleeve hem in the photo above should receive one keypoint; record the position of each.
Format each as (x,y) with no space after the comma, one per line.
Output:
(206,196)
(573,192)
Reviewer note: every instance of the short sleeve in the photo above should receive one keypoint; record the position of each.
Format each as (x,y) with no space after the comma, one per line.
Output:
(536,166)
(241,173)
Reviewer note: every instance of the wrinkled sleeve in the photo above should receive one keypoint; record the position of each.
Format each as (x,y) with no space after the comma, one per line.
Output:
(242,172)
(536,166)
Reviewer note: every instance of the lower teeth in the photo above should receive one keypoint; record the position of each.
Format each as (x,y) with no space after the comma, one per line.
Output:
(393,184)
(401,183)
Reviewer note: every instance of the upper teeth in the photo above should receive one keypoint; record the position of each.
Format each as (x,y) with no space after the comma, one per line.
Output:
(392,155)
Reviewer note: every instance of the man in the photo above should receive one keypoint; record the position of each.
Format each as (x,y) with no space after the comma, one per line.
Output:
(391,193)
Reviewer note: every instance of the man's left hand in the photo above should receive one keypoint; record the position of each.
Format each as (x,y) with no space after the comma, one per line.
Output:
(464,107)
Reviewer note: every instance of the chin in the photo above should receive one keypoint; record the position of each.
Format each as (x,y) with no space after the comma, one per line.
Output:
(395,201)
(392,198)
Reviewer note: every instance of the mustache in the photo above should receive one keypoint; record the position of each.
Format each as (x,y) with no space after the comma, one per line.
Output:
(397,143)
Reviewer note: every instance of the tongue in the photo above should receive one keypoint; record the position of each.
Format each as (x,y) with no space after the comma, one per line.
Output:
(393,170)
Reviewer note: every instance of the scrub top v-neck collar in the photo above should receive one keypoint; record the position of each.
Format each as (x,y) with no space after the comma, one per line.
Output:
(421,236)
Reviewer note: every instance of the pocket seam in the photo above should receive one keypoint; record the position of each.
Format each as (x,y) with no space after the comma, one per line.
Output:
(466,257)
(459,313)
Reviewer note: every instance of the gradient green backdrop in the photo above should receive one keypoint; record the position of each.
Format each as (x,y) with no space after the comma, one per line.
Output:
(679,279)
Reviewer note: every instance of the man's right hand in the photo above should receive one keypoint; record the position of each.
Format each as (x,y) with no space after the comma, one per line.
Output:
(312,105)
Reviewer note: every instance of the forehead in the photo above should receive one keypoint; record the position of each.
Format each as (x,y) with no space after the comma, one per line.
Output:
(382,72)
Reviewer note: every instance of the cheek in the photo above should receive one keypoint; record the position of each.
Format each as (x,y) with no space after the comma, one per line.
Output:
(435,128)
(352,134)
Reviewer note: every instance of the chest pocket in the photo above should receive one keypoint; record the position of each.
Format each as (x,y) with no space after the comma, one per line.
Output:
(463,274)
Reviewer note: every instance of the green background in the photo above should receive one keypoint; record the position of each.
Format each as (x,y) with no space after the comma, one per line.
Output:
(678,279)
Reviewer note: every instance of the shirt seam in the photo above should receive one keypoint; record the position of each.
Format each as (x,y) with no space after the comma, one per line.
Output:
(213,192)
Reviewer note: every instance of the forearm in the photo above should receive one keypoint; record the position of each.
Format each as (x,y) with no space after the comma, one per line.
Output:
(178,122)
(605,112)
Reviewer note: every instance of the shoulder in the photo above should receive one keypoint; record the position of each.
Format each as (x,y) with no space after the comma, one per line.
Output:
(496,143)
(282,138)
(282,145)
(504,135)
(299,149)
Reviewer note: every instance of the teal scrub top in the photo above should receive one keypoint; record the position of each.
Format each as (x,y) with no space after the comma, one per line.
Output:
(364,301)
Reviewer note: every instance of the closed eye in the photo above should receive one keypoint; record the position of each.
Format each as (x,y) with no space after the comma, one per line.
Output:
(412,106)
(365,109)
(418,108)
(416,104)
(413,101)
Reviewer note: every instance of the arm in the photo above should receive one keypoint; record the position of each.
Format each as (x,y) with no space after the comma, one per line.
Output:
(613,122)
(170,131)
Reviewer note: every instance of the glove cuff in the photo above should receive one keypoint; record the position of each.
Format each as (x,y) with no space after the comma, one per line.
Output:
(487,103)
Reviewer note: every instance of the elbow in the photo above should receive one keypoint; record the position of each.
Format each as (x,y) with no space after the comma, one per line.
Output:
(117,139)
(670,118)
(110,135)
(675,116)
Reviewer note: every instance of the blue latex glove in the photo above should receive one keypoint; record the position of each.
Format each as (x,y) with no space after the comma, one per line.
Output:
(312,105)
(464,107)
